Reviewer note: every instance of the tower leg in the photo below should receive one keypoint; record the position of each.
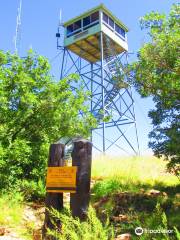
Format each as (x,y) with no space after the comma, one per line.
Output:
(62,67)
(91,97)
(102,86)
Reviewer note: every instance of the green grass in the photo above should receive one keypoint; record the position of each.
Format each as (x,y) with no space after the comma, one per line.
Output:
(130,173)
(121,186)
(11,210)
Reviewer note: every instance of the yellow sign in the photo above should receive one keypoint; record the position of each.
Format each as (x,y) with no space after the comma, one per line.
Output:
(61,179)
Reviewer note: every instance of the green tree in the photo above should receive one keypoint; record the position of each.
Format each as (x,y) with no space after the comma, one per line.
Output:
(157,74)
(35,110)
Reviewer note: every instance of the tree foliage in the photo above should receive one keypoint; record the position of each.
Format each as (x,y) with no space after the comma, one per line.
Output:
(157,74)
(35,111)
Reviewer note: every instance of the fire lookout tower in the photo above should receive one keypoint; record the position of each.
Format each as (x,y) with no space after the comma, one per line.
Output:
(96,48)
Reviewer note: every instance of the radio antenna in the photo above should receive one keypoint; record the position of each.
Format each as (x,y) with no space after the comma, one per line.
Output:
(17,38)
(60,17)
(60,24)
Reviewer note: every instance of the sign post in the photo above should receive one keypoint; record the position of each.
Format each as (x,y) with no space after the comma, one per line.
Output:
(82,158)
(54,199)
(75,179)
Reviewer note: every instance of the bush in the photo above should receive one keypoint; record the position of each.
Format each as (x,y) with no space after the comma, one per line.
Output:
(35,111)
(73,229)
(158,221)
(105,187)
(32,191)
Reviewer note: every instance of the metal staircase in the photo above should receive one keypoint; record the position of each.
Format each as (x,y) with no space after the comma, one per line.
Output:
(115,69)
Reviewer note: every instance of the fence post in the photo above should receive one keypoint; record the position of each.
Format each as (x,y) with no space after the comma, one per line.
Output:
(82,158)
(54,200)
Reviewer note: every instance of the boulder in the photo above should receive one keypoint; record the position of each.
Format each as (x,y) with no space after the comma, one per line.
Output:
(154,192)
(125,236)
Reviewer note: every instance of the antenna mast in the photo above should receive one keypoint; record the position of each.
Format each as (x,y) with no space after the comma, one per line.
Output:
(17,37)
(60,24)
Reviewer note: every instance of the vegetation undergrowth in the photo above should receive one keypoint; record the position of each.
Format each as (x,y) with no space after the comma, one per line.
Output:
(11,215)
(155,226)
(11,206)
(17,216)
(122,193)
(73,229)
(119,197)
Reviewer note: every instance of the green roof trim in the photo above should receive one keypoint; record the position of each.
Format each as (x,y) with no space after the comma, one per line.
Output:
(100,7)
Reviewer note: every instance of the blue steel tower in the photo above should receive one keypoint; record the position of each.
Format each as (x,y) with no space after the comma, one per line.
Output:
(96,48)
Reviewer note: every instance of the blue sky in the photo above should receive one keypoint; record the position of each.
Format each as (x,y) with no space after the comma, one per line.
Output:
(39,25)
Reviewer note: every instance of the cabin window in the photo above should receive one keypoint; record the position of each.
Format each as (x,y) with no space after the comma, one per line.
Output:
(111,22)
(77,25)
(69,29)
(86,21)
(105,18)
(123,33)
(74,28)
(94,16)
(120,31)
(91,20)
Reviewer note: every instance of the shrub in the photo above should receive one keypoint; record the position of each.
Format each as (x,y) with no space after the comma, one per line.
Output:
(32,190)
(73,229)
(35,111)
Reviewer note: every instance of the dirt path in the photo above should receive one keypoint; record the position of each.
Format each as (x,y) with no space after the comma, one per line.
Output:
(32,220)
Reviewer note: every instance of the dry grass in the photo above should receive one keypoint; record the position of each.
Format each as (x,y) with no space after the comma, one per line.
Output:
(146,170)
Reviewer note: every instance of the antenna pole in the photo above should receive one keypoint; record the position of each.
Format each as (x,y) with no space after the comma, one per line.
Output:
(60,17)
(60,24)
(17,37)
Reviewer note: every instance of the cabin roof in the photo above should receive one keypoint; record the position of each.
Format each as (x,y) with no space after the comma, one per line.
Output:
(99,7)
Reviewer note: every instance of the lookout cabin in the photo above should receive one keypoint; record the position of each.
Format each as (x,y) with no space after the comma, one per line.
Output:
(82,34)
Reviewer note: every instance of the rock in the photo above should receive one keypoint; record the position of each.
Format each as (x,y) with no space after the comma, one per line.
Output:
(125,236)
(29,214)
(154,192)
(120,218)
(37,234)
(2,231)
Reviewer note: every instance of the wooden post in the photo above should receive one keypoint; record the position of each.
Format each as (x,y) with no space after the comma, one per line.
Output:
(53,200)
(82,158)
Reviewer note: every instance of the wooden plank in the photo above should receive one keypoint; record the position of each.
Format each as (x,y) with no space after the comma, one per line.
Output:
(81,157)
(53,199)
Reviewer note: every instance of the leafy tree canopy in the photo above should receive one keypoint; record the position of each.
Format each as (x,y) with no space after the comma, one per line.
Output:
(35,111)
(157,74)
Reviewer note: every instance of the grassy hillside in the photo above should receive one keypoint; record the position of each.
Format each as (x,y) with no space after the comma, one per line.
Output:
(147,169)
(132,173)
(136,191)
(126,193)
